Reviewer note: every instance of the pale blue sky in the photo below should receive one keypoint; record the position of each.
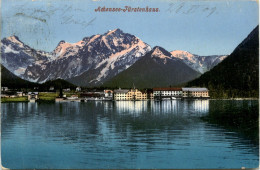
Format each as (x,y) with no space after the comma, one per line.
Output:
(200,27)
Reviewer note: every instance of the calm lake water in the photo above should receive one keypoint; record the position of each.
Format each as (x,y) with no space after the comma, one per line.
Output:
(121,134)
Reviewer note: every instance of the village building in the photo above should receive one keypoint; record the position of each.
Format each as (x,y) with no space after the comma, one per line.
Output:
(51,88)
(151,96)
(33,96)
(66,90)
(108,93)
(121,94)
(133,94)
(167,93)
(4,88)
(20,94)
(78,89)
(195,92)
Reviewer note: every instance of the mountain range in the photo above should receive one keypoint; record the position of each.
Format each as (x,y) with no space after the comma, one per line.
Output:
(17,56)
(200,64)
(156,69)
(100,59)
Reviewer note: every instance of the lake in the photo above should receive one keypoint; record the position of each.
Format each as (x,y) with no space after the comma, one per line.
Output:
(122,134)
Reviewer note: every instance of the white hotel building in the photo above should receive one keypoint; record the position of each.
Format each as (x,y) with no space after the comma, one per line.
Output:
(169,92)
(195,92)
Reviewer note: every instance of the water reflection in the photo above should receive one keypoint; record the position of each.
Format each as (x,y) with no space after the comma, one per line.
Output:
(121,134)
(132,106)
(163,107)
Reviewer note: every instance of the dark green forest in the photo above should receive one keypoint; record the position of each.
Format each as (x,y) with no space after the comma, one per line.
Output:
(237,75)
(11,81)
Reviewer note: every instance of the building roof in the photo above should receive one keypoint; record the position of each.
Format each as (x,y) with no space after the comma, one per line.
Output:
(167,89)
(107,91)
(33,93)
(194,89)
(121,91)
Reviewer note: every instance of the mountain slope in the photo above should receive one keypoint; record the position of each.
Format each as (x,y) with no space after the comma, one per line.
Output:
(238,73)
(16,56)
(57,84)
(158,68)
(103,56)
(10,80)
(201,64)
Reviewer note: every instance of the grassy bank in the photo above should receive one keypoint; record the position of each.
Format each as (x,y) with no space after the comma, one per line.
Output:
(47,96)
(15,99)
(43,97)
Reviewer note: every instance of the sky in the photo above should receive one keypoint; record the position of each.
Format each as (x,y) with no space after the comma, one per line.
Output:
(200,27)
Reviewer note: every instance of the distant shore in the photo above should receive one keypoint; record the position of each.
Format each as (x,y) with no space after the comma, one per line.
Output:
(252,98)
(52,99)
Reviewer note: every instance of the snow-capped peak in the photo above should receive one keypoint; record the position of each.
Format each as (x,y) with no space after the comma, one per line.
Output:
(196,62)
(64,47)
(14,39)
(104,55)
(160,53)
(114,31)
(183,55)
(180,52)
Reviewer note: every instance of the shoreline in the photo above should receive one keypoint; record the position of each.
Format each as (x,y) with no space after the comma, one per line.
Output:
(249,98)
(14,100)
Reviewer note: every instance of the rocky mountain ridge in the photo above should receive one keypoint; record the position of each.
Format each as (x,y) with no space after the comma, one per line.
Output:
(90,61)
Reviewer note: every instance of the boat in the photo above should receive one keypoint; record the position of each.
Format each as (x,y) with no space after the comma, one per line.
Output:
(98,99)
(72,98)
(166,98)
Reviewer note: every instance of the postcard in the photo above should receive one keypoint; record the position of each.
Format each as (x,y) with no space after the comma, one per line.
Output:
(129,84)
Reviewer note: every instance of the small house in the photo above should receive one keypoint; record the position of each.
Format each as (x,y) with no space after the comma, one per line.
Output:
(33,95)
(4,88)
(108,93)
(66,90)
(78,89)
(20,94)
